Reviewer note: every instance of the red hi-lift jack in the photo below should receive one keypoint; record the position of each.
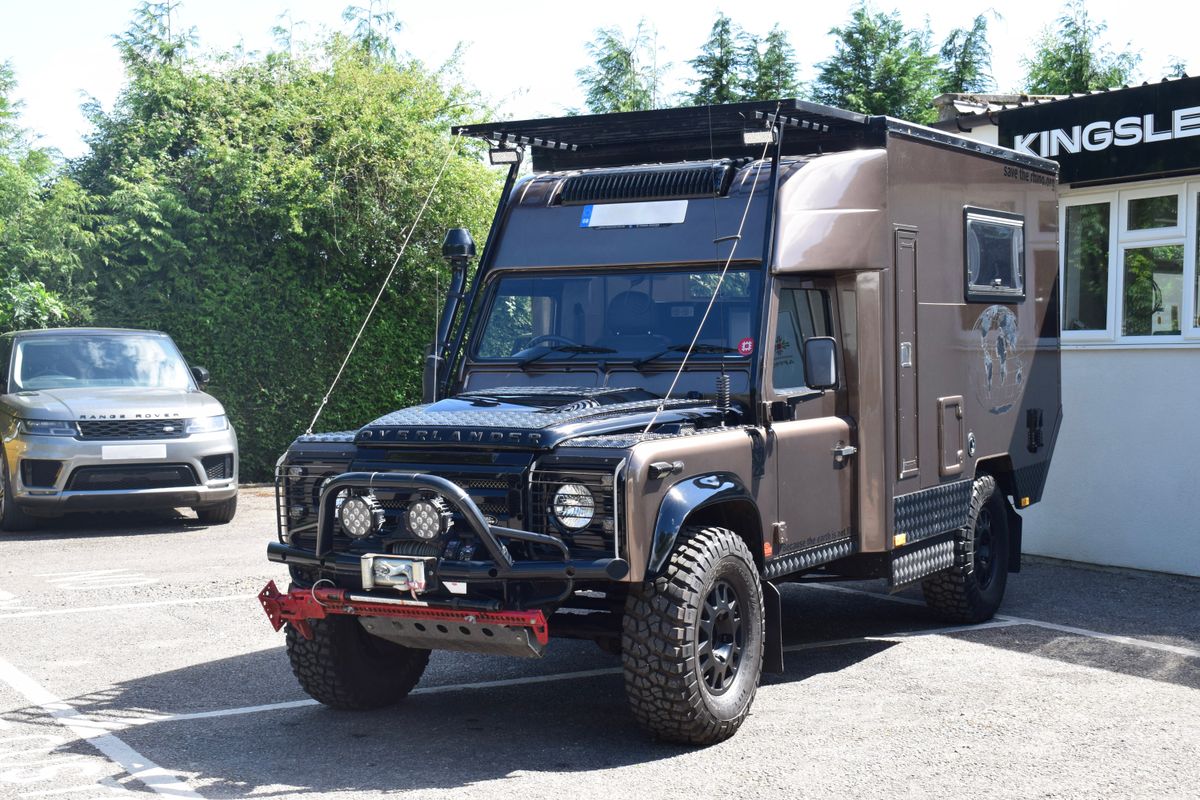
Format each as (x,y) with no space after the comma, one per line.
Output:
(299,606)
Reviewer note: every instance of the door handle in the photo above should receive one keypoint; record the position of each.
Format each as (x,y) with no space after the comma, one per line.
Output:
(843,451)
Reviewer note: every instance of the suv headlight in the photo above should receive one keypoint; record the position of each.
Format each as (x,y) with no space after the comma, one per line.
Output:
(48,427)
(573,506)
(207,424)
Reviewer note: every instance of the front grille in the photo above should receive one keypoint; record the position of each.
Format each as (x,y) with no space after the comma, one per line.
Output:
(599,538)
(128,478)
(39,472)
(218,468)
(132,428)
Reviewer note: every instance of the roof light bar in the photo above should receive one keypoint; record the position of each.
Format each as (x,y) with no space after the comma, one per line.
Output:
(503,155)
(758,137)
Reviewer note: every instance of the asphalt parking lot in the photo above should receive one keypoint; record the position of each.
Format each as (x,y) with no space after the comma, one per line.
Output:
(134,659)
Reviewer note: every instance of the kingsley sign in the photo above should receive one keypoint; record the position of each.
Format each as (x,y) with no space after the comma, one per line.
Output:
(1146,131)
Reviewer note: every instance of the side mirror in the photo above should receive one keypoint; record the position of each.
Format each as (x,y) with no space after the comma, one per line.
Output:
(201,375)
(820,362)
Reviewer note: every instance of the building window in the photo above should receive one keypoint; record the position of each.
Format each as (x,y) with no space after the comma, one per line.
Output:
(1129,265)
(1085,267)
(1149,213)
(995,256)
(1153,300)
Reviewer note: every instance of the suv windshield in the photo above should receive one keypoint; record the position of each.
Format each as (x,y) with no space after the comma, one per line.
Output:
(96,360)
(650,315)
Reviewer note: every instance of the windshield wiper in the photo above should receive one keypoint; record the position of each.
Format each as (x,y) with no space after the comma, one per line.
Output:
(683,348)
(564,348)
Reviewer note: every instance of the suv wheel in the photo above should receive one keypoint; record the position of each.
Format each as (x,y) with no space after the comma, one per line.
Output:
(971,591)
(12,518)
(346,668)
(220,514)
(693,639)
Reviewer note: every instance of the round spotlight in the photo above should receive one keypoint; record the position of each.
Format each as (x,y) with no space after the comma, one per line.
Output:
(361,516)
(573,506)
(429,518)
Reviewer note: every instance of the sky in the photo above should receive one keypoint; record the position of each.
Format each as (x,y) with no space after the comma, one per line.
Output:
(523,56)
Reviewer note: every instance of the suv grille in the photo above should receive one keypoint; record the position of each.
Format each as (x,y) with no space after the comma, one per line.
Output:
(598,538)
(39,472)
(150,476)
(133,429)
(217,468)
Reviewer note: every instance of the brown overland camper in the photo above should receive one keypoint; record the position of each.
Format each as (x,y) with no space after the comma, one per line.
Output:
(705,351)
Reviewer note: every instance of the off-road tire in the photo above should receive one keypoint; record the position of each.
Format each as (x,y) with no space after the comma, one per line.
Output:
(220,514)
(348,669)
(12,518)
(664,648)
(972,590)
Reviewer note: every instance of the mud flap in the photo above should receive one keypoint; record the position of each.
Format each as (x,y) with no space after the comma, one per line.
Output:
(1014,536)
(773,646)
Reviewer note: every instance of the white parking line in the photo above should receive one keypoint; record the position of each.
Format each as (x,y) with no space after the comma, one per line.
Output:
(121,754)
(120,723)
(97,579)
(183,601)
(10,602)
(1191,652)
(1148,644)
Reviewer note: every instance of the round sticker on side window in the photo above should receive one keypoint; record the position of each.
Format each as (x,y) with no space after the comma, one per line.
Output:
(746,346)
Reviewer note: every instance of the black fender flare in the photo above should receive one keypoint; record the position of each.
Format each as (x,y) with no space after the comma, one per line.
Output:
(684,498)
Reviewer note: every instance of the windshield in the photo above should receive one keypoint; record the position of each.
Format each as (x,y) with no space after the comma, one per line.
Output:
(75,361)
(635,315)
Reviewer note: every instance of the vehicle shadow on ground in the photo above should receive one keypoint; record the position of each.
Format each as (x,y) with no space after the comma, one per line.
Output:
(448,740)
(110,523)
(464,736)
(440,740)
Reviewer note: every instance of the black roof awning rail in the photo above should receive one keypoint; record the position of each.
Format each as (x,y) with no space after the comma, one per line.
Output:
(704,133)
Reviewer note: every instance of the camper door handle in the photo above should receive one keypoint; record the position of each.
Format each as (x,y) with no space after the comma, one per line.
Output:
(843,451)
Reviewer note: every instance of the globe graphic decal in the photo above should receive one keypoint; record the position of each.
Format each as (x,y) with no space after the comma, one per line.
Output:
(1000,371)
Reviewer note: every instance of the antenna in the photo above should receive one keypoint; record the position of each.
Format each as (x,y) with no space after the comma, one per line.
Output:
(396,262)
(737,238)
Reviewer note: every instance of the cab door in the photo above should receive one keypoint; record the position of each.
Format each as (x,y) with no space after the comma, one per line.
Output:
(813,445)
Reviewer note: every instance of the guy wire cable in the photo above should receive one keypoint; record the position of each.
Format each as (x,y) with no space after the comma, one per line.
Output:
(717,289)
(396,262)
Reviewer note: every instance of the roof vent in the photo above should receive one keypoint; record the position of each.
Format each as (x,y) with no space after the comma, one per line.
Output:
(677,181)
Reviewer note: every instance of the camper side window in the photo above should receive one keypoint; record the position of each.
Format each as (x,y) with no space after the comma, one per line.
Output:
(995,256)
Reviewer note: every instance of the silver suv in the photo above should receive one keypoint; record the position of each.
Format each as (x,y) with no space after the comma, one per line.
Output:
(97,419)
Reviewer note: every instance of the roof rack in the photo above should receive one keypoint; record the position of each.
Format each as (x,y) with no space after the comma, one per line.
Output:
(680,134)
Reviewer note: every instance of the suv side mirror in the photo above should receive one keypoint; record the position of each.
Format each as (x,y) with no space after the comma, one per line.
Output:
(820,362)
(201,375)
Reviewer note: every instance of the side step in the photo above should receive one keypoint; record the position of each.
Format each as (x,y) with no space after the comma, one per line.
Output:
(920,560)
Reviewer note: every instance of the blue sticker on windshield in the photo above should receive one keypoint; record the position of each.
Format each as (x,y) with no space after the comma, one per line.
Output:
(586,219)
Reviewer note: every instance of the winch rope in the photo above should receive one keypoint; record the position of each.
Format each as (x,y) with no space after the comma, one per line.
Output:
(379,295)
(737,239)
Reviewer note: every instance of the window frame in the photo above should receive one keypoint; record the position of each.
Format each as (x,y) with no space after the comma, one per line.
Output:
(1120,239)
(976,293)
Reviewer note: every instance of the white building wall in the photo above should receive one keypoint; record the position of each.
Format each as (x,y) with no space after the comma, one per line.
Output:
(1124,486)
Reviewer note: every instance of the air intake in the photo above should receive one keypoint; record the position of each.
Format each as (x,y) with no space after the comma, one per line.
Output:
(706,179)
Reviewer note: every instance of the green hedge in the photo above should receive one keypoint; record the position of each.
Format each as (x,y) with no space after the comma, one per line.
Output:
(251,209)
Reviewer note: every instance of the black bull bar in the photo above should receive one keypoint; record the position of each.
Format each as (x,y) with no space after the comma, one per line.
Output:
(500,565)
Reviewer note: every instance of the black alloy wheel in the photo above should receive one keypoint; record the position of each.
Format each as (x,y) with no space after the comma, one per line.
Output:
(721,637)
(692,639)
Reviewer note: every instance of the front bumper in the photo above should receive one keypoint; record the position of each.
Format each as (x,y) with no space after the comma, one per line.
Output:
(300,606)
(500,565)
(59,496)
